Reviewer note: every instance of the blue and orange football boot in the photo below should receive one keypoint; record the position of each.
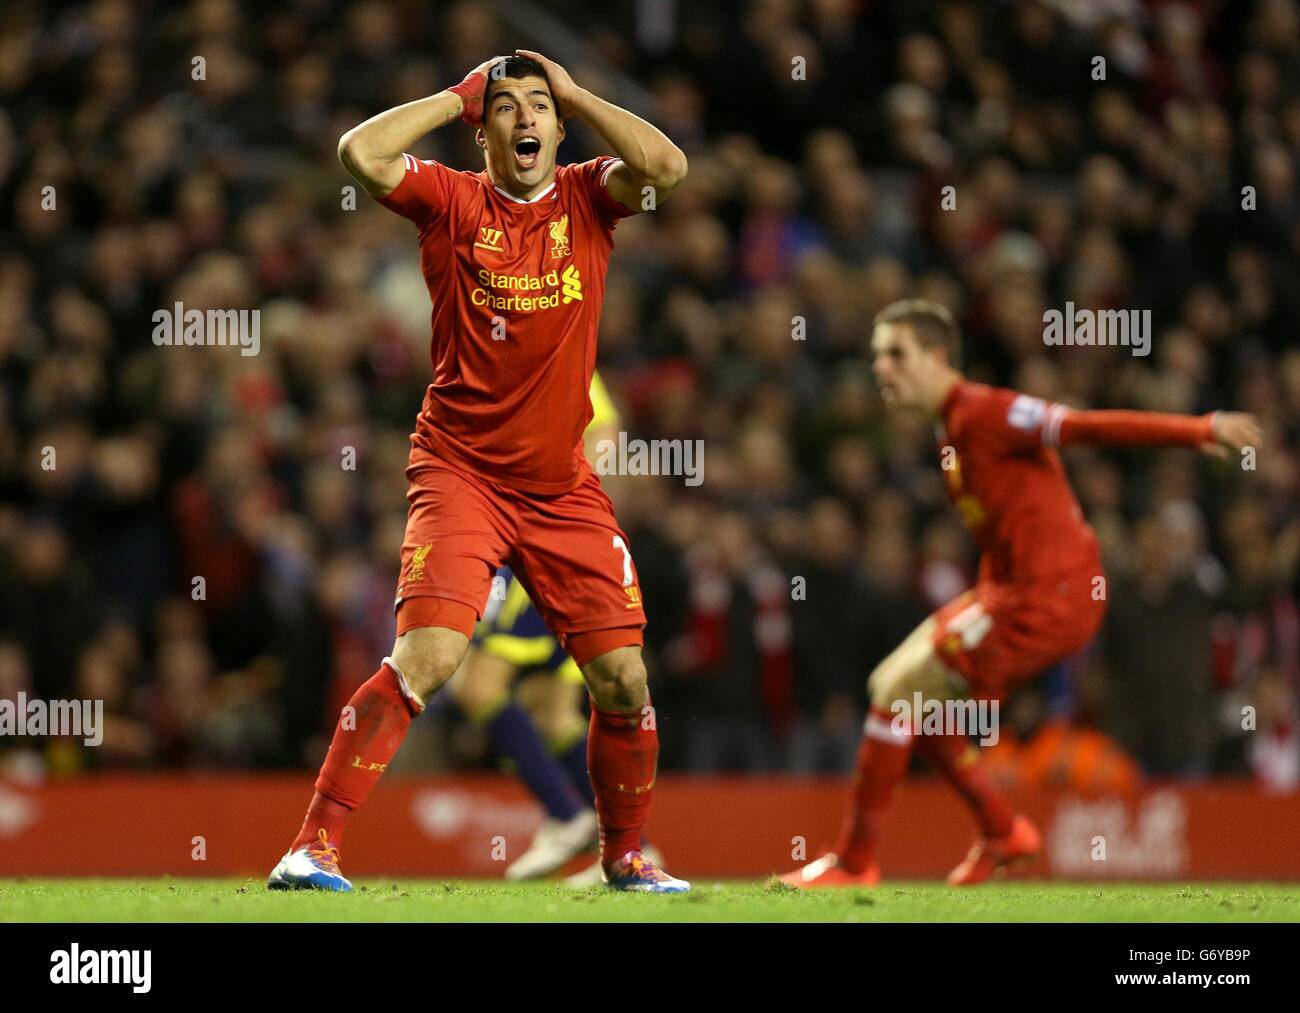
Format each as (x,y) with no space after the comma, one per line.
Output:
(313,867)
(637,874)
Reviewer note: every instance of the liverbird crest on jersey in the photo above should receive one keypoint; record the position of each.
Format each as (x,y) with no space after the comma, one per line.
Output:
(560,237)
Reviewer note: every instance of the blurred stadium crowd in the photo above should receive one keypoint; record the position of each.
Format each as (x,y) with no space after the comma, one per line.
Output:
(813,194)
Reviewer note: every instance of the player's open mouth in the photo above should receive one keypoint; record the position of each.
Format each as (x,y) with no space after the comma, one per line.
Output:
(527,152)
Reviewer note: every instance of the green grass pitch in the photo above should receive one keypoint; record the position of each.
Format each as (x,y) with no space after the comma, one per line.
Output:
(411,900)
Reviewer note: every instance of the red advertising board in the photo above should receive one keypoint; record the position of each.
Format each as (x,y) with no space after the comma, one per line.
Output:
(721,827)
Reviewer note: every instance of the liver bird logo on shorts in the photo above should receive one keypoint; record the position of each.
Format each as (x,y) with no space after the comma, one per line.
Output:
(416,570)
(560,237)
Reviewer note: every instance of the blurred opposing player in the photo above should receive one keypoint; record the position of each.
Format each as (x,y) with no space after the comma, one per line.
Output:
(1039,595)
(540,728)
(515,258)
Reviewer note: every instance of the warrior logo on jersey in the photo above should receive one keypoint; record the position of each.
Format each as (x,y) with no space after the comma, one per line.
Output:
(560,237)
(968,506)
(489,239)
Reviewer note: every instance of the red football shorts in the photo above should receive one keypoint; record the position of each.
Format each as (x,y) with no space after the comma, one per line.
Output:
(997,636)
(567,551)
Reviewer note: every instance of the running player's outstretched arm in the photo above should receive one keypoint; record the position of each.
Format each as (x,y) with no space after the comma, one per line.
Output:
(1216,433)
(372,152)
(649,158)
(1026,420)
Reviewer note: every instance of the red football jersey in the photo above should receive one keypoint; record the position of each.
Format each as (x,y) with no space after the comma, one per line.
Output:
(517,288)
(1009,486)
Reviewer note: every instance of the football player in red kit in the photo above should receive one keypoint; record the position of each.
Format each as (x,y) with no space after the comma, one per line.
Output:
(515,258)
(1040,592)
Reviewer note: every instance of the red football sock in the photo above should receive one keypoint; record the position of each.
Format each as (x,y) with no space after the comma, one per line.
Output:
(622,756)
(883,756)
(365,740)
(958,759)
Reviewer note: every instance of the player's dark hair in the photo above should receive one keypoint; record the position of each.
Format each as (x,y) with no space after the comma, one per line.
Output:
(517,67)
(932,323)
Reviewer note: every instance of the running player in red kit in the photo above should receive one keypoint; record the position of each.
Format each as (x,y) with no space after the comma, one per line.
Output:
(1040,592)
(515,258)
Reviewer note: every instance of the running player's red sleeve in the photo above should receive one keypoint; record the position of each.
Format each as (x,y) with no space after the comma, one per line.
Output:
(1020,422)
(1066,426)
(425,192)
(593,180)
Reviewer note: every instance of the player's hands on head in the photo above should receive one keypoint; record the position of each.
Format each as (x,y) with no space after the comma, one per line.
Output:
(473,88)
(1233,431)
(563,89)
